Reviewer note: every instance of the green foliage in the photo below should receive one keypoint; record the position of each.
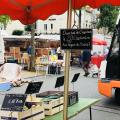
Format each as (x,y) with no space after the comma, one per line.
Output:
(108,17)
(28,28)
(4,19)
(17,32)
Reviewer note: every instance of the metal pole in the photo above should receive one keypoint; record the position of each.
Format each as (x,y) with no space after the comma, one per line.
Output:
(90,113)
(80,18)
(67,66)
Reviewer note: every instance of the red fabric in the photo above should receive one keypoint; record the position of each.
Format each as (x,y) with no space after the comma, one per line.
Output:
(97,41)
(97,60)
(42,9)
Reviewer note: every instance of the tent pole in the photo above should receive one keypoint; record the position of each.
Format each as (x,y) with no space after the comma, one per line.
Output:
(32,42)
(67,65)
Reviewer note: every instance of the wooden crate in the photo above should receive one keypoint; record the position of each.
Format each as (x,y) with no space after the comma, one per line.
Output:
(53,100)
(15,49)
(72,95)
(53,110)
(53,106)
(15,52)
(36,112)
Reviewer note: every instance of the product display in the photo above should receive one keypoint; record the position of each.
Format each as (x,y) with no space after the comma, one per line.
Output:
(31,109)
(54,69)
(53,100)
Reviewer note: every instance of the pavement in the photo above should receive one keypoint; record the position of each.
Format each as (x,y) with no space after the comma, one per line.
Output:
(86,87)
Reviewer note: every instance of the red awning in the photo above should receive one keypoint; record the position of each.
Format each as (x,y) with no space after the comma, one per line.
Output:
(28,11)
(97,41)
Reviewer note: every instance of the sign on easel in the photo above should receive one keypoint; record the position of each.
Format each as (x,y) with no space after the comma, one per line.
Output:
(14,102)
(59,82)
(76,39)
(33,87)
(75,77)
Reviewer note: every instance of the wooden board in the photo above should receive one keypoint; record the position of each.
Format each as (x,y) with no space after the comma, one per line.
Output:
(31,114)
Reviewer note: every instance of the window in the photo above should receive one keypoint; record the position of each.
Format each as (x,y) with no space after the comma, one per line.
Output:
(51,26)
(52,19)
(45,27)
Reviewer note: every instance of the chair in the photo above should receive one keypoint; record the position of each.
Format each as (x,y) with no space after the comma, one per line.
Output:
(41,65)
(10,72)
(25,60)
(38,66)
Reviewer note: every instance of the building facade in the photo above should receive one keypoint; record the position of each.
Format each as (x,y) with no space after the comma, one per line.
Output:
(56,22)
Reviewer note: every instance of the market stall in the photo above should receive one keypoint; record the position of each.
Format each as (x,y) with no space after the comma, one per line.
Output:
(28,12)
(99,46)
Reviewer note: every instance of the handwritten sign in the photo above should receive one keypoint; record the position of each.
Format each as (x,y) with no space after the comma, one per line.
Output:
(76,38)
(13,102)
(33,87)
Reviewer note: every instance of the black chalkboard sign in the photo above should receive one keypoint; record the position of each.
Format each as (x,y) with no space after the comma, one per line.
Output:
(75,77)
(76,38)
(59,82)
(33,87)
(14,102)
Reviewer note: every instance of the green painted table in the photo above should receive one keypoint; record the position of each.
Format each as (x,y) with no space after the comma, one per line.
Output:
(73,110)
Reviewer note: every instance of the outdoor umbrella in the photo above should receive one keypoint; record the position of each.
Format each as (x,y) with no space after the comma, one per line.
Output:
(28,11)
(97,41)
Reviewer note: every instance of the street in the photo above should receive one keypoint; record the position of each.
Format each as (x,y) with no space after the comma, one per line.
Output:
(106,109)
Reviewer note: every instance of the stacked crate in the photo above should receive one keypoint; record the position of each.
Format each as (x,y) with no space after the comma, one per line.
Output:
(32,110)
(53,100)
(15,52)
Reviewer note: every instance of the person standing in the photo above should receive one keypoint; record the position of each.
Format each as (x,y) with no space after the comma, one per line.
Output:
(59,53)
(86,57)
(29,50)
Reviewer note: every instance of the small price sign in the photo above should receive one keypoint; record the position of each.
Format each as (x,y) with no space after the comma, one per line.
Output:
(14,102)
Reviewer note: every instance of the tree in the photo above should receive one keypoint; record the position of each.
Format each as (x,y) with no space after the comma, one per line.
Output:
(4,19)
(108,17)
(28,28)
(17,32)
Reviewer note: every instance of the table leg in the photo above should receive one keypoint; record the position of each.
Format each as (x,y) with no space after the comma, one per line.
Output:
(90,113)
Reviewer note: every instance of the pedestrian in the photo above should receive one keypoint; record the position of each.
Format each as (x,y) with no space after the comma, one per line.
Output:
(59,53)
(80,59)
(29,50)
(86,57)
